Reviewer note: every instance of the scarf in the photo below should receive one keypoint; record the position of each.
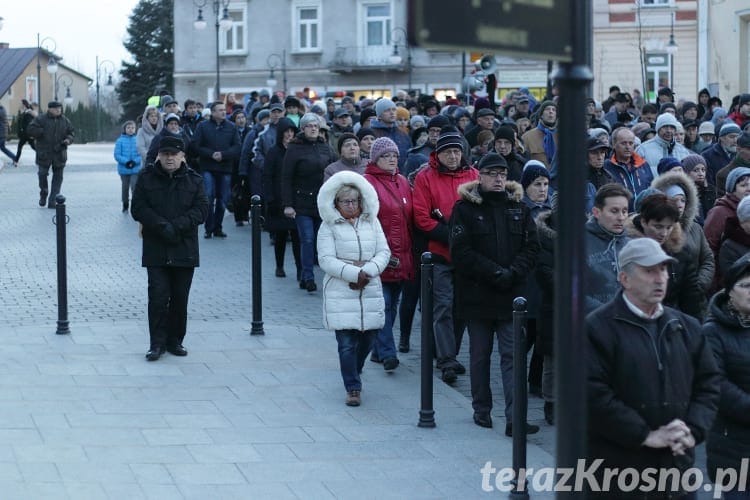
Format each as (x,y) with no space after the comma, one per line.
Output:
(549,141)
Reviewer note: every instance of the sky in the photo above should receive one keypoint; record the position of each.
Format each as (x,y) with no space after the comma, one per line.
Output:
(81,29)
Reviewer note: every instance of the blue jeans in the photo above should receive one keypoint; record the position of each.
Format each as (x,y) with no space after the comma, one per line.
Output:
(384,346)
(354,346)
(218,190)
(5,150)
(307,227)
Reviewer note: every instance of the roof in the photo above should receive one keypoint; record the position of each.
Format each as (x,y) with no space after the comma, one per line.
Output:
(14,61)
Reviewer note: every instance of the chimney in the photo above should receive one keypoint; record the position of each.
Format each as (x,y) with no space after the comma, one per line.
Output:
(4,45)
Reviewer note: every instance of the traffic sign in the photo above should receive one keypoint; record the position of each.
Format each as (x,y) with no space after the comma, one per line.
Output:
(537,29)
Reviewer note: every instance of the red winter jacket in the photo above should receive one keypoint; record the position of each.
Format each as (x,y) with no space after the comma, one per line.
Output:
(396,217)
(437,187)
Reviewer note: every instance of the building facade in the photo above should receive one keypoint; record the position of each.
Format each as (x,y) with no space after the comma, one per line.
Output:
(724,47)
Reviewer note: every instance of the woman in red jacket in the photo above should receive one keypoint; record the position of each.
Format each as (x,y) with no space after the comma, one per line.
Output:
(395,215)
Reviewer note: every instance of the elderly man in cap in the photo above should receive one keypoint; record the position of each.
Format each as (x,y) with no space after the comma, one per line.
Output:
(653,385)
(485,121)
(706,135)
(663,144)
(170,203)
(722,152)
(385,126)
(342,124)
(541,141)
(53,133)
(435,193)
(493,245)
(741,159)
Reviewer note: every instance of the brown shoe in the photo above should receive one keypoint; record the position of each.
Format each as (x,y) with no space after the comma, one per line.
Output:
(353,399)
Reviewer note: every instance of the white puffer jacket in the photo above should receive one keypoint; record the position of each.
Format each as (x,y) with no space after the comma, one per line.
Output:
(340,243)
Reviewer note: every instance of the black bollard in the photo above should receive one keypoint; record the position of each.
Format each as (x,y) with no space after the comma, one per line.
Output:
(427,413)
(61,220)
(257,324)
(520,400)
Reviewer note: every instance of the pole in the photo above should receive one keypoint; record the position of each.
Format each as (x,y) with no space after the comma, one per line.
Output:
(520,400)
(98,123)
(570,370)
(218,81)
(257,324)
(283,68)
(408,61)
(427,413)
(38,72)
(61,221)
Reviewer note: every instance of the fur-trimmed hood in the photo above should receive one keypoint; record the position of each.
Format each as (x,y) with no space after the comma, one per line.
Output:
(672,246)
(327,196)
(470,192)
(692,203)
(544,225)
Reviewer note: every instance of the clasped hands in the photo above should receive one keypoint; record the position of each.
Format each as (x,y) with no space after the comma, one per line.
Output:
(362,278)
(675,435)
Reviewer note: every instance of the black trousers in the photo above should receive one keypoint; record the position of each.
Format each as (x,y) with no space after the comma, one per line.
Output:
(168,291)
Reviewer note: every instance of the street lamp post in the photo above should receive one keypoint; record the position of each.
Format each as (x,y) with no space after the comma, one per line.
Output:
(395,58)
(106,64)
(51,64)
(273,62)
(671,50)
(223,24)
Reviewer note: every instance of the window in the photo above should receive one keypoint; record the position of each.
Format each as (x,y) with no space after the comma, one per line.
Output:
(233,41)
(656,3)
(307,28)
(377,24)
(31,89)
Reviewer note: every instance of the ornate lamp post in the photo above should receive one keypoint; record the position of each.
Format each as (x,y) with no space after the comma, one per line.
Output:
(109,68)
(273,62)
(223,24)
(395,58)
(51,64)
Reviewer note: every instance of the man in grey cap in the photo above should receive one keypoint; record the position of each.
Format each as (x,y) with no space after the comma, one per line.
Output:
(653,385)
(741,159)
(342,123)
(722,152)
(53,133)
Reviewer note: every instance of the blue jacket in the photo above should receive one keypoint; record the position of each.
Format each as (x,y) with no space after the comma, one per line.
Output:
(402,140)
(125,151)
(716,158)
(211,137)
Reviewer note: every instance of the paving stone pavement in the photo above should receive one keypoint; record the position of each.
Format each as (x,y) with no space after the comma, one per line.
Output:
(84,416)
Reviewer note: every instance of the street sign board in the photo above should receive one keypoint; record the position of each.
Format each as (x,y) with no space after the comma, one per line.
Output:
(537,29)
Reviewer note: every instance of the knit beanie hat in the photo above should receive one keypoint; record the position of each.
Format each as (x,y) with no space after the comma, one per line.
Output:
(744,99)
(729,128)
(674,190)
(666,119)
(343,138)
(417,121)
(691,161)
(706,128)
(365,114)
(507,133)
(734,177)
(532,170)
(642,196)
(383,105)
(667,163)
(438,121)
(736,271)
(364,131)
(449,137)
(665,106)
(381,146)
(307,119)
(402,113)
(743,209)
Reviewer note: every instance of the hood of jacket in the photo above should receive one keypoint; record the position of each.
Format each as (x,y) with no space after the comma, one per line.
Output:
(469,191)
(674,243)
(327,196)
(729,200)
(545,223)
(146,126)
(717,311)
(692,204)
(282,126)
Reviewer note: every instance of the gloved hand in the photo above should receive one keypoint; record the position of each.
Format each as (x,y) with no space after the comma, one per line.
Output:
(503,278)
(129,164)
(169,233)
(362,281)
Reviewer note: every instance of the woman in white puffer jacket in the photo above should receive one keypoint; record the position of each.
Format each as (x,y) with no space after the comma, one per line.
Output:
(353,251)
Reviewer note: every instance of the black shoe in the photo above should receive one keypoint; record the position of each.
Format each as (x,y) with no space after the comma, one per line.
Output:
(449,375)
(311,286)
(302,284)
(154,353)
(390,364)
(42,199)
(549,412)
(375,359)
(530,429)
(403,345)
(208,235)
(177,350)
(483,420)
(459,368)
(280,272)
(220,234)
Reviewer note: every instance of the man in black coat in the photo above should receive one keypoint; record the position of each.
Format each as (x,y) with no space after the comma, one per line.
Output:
(493,246)
(653,385)
(170,203)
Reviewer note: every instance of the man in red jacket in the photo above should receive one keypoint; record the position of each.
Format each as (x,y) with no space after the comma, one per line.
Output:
(435,193)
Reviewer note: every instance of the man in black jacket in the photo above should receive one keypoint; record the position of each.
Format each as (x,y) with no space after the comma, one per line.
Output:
(170,203)
(653,385)
(493,246)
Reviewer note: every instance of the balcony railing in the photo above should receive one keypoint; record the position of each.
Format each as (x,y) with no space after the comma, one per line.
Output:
(365,58)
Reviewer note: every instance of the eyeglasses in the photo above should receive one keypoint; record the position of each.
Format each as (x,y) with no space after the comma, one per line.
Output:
(353,202)
(390,156)
(495,173)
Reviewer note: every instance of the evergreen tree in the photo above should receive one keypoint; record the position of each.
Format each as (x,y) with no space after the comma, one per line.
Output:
(150,42)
